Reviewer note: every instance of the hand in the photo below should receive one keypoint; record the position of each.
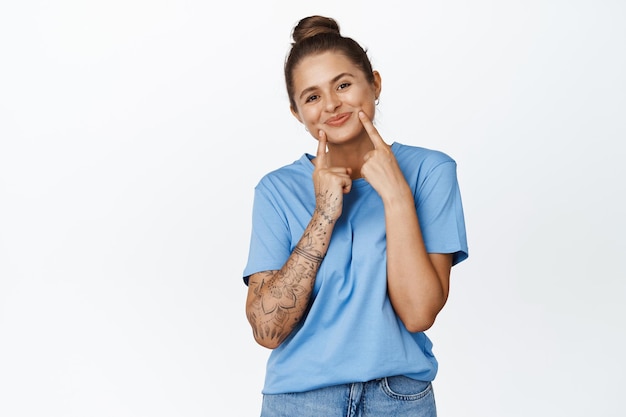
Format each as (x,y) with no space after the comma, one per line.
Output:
(331,183)
(380,167)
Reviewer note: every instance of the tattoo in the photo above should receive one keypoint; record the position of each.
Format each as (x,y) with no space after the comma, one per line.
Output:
(279,299)
(326,200)
(283,296)
(309,256)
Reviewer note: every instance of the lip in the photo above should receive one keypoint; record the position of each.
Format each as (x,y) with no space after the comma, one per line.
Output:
(338,120)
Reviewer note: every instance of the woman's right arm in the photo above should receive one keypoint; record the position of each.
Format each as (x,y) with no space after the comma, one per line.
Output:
(277,300)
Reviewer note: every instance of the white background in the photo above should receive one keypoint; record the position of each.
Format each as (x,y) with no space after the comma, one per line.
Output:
(133,132)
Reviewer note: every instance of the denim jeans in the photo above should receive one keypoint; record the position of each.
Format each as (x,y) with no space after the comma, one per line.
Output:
(396,396)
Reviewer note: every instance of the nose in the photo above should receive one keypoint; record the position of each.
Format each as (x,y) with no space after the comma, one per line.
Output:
(332,101)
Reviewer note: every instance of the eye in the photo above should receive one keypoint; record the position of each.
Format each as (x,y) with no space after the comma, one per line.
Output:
(311,98)
(343,86)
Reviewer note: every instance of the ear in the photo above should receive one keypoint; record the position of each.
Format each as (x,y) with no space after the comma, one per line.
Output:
(378,83)
(295,114)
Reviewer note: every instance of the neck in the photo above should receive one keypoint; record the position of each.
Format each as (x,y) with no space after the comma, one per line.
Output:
(349,155)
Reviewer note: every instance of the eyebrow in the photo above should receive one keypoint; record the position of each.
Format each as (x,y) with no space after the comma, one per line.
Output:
(334,80)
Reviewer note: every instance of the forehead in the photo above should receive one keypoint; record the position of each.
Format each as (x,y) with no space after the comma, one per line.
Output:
(320,69)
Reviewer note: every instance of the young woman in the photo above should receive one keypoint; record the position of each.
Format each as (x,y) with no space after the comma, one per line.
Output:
(351,250)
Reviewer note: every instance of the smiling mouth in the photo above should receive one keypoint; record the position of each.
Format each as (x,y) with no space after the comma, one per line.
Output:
(338,120)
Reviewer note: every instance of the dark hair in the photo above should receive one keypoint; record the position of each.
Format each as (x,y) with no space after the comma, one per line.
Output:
(317,34)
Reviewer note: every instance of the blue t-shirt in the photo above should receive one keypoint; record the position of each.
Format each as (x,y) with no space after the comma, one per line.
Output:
(351,332)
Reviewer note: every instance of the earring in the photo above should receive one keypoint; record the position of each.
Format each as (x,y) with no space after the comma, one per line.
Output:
(377,101)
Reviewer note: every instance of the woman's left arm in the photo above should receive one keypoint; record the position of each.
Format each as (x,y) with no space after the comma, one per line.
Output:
(417,282)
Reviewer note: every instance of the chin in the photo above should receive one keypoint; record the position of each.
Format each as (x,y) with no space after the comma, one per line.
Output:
(341,139)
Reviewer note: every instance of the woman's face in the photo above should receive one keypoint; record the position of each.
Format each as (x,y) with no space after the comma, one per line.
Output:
(329,91)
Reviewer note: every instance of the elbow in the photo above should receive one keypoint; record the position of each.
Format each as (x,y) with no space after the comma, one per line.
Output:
(418,320)
(419,325)
(267,343)
(266,337)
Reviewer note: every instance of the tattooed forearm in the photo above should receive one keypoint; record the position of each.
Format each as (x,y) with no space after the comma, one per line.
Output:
(309,256)
(278,300)
(331,202)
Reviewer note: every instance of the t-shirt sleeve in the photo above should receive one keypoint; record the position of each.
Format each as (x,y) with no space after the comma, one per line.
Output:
(270,239)
(440,212)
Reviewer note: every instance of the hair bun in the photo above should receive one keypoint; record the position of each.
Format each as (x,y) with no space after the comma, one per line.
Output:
(314,25)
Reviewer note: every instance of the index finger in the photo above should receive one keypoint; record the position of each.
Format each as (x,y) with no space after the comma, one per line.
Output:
(321,149)
(375,137)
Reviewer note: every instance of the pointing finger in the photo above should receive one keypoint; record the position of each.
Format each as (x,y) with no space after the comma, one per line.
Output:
(321,149)
(375,137)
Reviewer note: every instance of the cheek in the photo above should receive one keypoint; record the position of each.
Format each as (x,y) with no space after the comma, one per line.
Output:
(309,116)
(370,109)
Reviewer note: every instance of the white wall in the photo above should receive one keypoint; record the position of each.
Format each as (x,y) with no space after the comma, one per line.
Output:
(133,132)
